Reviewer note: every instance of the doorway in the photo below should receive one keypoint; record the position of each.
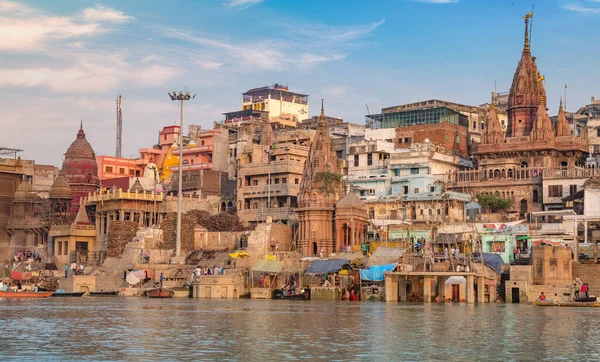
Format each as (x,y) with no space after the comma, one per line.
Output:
(456,293)
(515,295)
(207,292)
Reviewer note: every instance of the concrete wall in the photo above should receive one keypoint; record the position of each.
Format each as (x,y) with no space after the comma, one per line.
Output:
(215,240)
(220,287)
(551,265)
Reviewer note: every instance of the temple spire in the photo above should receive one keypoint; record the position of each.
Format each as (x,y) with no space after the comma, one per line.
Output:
(322,120)
(562,125)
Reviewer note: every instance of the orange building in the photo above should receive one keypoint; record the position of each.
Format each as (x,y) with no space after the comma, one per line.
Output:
(115,167)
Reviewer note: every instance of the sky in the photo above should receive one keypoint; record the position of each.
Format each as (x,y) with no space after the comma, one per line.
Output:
(64,61)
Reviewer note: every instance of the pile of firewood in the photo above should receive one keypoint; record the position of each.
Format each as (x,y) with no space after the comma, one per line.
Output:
(169,228)
(119,234)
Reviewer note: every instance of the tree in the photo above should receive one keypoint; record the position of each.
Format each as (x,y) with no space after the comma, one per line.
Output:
(328,181)
(494,203)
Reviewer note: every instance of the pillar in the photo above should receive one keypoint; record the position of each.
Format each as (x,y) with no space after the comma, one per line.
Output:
(441,288)
(391,288)
(480,289)
(402,288)
(470,289)
(427,289)
(492,293)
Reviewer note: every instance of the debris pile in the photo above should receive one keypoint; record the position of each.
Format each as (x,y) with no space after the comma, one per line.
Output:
(119,234)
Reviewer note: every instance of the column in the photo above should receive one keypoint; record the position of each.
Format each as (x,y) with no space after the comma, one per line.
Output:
(391,288)
(470,289)
(402,288)
(492,293)
(427,289)
(441,288)
(480,289)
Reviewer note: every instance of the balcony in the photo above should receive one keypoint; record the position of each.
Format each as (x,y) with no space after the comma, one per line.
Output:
(273,168)
(275,190)
(290,148)
(194,150)
(195,166)
(260,214)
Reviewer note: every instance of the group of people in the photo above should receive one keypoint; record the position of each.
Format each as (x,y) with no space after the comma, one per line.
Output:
(582,290)
(5,287)
(215,270)
(144,257)
(453,252)
(289,290)
(75,270)
(30,256)
(352,292)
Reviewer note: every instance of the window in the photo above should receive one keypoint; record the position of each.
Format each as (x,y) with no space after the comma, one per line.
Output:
(416,190)
(284,180)
(131,172)
(446,137)
(201,143)
(474,125)
(371,191)
(408,140)
(598,132)
(369,159)
(355,160)
(254,182)
(165,137)
(431,188)
(339,154)
(297,181)
(555,191)
(108,169)
(572,189)
(276,181)
(121,170)
(404,190)
(414,171)
(59,249)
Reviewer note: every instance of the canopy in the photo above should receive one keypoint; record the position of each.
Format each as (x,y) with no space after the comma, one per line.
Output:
(523,237)
(449,238)
(350,256)
(241,254)
(132,279)
(383,255)
(494,261)
(21,275)
(140,274)
(326,266)
(375,272)
(456,280)
(270,257)
(268,266)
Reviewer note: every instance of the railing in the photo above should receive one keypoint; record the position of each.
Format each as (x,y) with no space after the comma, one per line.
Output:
(289,147)
(262,213)
(195,149)
(273,167)
(276,189)
(119,194)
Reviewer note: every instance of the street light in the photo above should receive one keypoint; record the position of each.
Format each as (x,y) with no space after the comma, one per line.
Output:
(180,97)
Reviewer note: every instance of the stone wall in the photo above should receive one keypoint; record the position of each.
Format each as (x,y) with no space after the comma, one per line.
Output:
(444,134)
(551,265)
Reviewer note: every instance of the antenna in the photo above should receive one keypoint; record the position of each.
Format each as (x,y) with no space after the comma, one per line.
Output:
(368,112)
(119,127)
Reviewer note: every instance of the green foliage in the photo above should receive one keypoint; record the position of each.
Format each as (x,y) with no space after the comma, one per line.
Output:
(328,181)
(494,203)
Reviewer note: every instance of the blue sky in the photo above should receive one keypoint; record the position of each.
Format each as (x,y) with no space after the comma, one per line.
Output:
(65,61)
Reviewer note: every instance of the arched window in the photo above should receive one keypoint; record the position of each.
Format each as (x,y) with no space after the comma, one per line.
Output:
(510,173)
(536,196)
(563,164)
(524,164)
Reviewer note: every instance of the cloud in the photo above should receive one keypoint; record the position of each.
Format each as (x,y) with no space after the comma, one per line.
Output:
(242,4)
(582,9)
(15,8)
(22,34)
(101,13)
(336,33)
(209,64)
(336,90)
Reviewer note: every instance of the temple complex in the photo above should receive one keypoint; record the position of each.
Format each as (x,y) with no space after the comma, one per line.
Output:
(80,169)
(512,166)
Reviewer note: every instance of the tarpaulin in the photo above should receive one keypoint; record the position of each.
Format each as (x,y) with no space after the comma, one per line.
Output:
(242,255)
(267,266)
(383,255)
(494,261)
(21,275)
(326,266)
(375,272)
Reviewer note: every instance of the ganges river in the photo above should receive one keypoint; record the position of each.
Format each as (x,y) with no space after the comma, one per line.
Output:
(139,329)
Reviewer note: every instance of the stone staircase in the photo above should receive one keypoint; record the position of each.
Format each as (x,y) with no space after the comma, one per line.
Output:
(588,273)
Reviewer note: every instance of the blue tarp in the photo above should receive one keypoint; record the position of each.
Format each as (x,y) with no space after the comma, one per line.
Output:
(494,261)
(375,272)
(326,266)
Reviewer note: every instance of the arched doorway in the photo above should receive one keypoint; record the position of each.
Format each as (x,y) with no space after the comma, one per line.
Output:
(315,248)
(536,196)
(523,207)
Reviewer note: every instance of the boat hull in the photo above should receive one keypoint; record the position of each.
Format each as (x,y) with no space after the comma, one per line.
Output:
(567,304)
(25,294)
(160,293)
(104,294)
(64,295)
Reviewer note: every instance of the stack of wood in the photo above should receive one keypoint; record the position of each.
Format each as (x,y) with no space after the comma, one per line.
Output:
(169,228)
(119,234)
(45,282)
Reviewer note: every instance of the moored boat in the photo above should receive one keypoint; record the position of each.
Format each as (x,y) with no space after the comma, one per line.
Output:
(160,293)
(63,294)
(104,294)
(566,304)
(586,299)
(25,294)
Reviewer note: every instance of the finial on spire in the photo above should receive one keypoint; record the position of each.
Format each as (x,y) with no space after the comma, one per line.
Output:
(322,108)
(527,17)
(493,99)
(81,125)
(560,107)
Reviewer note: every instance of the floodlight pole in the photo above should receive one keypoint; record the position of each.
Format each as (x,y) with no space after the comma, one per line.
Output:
(180,97)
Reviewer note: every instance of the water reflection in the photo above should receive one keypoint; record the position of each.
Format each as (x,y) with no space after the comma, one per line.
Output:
(147,329)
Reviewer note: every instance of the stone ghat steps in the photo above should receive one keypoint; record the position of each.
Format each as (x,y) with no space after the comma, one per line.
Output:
(588,273)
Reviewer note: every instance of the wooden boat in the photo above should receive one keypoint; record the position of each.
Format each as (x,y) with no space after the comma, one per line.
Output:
(63,294)
(25,294)
(160,293)
(104,294)
(586,299)
(296,296)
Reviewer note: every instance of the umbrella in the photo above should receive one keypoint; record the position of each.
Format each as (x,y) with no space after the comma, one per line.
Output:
(132,279)
(242,255)
(456,280)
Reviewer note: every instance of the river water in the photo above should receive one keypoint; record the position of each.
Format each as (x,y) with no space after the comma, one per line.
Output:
(139,329)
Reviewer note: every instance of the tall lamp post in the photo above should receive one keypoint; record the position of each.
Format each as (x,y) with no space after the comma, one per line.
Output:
(180,97)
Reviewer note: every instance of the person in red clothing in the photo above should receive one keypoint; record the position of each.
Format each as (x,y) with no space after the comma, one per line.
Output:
(584,290)
(542,297)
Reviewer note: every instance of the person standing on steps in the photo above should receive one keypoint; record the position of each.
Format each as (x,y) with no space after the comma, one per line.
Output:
(161,279)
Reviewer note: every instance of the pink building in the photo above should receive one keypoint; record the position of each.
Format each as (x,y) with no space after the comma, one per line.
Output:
(115,167)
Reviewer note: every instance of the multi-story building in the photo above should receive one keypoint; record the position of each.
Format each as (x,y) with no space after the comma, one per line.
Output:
(110,167)
(206,150)
(368,162)
(269,174)
(285,108)
(592,113)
